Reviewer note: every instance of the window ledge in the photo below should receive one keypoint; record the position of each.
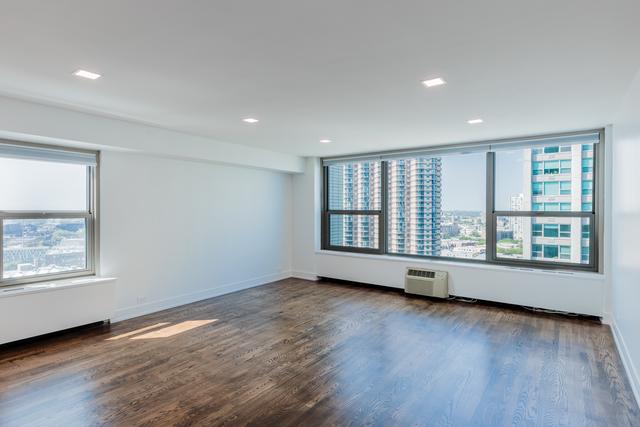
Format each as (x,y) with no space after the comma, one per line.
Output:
(53,285)
(463,264)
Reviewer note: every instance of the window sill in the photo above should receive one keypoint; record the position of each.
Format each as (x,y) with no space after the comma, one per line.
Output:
(465,264)
(53,285)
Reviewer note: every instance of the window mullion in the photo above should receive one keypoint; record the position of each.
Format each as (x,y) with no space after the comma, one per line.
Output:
(45,214)
(552,214)
(490,221)
(382,221)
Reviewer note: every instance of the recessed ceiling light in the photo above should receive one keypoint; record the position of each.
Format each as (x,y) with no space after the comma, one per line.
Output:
(250,120)
(86,74)
(434,82)
(475,121)
(325,141)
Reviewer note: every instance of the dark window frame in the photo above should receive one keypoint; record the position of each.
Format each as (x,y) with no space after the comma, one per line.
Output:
(595,215)
(379,213)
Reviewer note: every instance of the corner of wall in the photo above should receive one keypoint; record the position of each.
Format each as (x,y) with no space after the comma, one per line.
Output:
(627,361)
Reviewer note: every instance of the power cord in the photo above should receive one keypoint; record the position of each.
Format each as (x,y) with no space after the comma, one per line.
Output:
(544,310)
(461,299)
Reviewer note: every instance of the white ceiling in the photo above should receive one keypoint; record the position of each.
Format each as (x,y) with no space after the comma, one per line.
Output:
(347,70)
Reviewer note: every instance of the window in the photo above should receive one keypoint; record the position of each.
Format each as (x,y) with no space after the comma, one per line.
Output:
(496,203)
(537,188)
(46,212)
(587,187)
(550,251)
(353,217)
(536,230)
(552,167)
(550,230)
(536,250)
(443,212)
(551,188)
(537,168)
(587,165)
(584,253)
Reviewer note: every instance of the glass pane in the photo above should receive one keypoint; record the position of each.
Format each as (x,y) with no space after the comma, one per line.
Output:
(552,239)
(550,230)
(551,167)
(29,185)
(354,186)
(547,178)
(551,188)
(354,231)
(436,206)
(43,246)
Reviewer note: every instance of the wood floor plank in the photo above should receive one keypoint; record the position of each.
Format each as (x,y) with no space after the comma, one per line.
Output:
(296,352)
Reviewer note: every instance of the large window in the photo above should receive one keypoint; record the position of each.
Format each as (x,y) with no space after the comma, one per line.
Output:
(47,212)
(354,205)
(509,202)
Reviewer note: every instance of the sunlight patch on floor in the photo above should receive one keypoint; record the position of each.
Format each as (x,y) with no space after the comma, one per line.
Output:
(174,329)
(137,331)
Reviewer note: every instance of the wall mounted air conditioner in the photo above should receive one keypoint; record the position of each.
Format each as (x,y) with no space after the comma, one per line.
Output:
(430,283)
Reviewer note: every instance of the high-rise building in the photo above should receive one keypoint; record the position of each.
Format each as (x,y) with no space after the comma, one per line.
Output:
(415,210)
(414,197)
(557,178)
(355,186)
(515,223)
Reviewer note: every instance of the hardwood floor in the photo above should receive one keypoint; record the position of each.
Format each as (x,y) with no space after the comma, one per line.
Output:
(302,353)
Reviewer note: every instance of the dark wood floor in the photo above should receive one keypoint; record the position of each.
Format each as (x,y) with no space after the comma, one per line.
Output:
(304,353)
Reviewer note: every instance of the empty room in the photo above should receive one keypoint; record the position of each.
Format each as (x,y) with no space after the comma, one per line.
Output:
(319,213)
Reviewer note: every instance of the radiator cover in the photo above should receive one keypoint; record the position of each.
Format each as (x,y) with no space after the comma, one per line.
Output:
(30,310)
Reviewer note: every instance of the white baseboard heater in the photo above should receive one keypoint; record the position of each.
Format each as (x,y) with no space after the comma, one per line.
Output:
(30,310)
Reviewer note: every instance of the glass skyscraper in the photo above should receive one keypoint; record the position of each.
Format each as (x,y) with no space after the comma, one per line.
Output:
(355,186)
(557,178)
(415,209)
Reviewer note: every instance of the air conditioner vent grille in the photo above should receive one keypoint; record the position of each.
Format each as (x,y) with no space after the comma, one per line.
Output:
(422,273)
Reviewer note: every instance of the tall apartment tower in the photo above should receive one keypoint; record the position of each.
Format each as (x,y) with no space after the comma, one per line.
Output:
(516,226)
(557,178)
(415,208)
(354,186)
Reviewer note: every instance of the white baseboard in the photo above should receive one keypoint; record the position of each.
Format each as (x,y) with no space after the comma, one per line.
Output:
(152,307)
(629,367)
(304,275)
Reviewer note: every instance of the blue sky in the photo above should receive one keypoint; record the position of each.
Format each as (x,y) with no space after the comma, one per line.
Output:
(464,183)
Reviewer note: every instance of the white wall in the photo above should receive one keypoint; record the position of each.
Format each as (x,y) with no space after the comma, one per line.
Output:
(34,122)
(576,292)
(306,214)
(175,231)
(625,296)
(182,217)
